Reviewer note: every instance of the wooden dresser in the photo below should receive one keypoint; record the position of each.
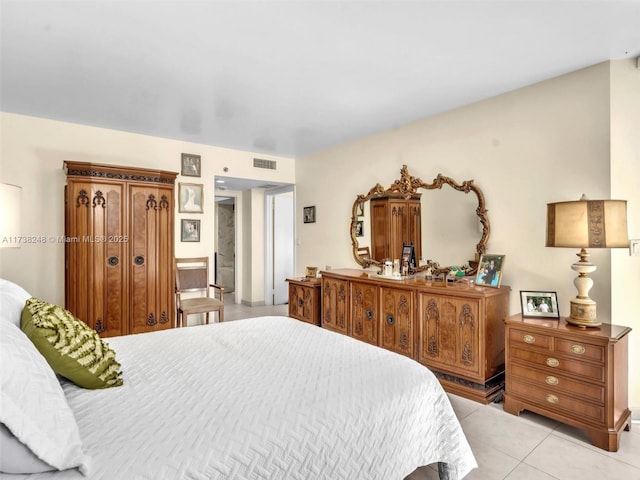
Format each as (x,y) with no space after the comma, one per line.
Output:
(456,330)
(574,375)
(119,226)
(304,299)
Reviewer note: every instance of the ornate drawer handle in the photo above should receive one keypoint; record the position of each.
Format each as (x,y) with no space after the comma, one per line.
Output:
(552,398)
(390,319)
(552,362)
(113,261)
(578,349)
(138,260)
(300,302)
(551,380)
(529,339)
(369,314)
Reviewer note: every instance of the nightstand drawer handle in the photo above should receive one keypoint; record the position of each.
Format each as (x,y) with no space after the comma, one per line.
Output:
(529,339)
(577,349)
(551,380)
(552,362)
(552,398)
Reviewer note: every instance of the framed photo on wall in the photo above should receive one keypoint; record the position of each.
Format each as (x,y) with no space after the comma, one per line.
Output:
(190,165)
(490,270)
(539,304)
(360,228)
(190,229)
(190,198)
(309,214)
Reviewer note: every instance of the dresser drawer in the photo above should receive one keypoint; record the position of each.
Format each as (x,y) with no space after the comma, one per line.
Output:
(553,382)
(551,363)
(525,337)
(557,401)
(580,349)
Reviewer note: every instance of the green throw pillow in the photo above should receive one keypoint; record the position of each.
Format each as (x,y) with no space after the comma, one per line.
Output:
(72,348)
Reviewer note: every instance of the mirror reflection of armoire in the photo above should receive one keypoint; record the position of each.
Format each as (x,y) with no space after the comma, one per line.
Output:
(119,248)
(395,221)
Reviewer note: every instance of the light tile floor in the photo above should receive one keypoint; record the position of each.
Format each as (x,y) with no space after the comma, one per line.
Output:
(506,447)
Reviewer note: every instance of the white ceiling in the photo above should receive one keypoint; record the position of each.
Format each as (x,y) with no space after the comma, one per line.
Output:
(289,78)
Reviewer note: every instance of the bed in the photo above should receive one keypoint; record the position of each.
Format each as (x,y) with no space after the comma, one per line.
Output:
(260,398)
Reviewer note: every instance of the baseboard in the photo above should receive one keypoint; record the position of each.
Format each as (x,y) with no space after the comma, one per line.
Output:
(253,304)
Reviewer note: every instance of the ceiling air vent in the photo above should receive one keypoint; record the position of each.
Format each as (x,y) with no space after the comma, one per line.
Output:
(262,163)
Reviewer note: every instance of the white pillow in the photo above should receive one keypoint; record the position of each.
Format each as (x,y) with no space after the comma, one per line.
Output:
(33,405)
(12,300)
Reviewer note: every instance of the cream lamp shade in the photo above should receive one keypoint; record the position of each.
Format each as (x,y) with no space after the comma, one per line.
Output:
(10,221)
(586,224)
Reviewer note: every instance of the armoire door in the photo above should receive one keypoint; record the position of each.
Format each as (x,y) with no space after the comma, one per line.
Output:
(150,258)
(95,248)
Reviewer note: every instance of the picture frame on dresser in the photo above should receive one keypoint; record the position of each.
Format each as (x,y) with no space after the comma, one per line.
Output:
(490,270)
(539,304)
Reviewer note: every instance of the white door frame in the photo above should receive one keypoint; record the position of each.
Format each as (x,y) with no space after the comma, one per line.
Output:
(268,236)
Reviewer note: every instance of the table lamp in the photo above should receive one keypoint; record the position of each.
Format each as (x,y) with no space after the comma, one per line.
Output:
(10,219)
(586,224)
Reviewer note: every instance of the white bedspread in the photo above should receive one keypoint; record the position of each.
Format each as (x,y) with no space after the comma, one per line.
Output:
(264,398)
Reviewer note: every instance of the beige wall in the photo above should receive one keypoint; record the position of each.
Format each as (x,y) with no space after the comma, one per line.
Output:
(625,184)
(544,143)
(32,152)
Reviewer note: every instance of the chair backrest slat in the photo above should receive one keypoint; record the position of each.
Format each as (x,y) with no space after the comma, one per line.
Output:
(192,274)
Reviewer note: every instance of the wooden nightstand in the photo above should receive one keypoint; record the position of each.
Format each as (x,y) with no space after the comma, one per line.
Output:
(574,375)
(304,299)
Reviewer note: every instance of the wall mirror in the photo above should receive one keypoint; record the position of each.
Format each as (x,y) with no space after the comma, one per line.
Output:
(443,219)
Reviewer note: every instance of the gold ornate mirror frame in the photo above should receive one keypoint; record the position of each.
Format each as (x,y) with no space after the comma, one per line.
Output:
(406,187)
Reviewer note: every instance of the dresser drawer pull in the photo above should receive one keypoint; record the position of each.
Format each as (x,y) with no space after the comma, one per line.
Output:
(577,349)
(552,398)
(551,380)
(552,362)
(529,339)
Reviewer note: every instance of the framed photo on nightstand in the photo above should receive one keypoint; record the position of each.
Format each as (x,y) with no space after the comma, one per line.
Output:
(539,304)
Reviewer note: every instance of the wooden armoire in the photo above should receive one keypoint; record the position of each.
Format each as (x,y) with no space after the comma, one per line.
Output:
(119,247)
(395,221)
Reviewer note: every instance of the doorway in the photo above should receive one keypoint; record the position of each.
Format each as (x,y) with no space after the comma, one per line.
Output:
(225,261)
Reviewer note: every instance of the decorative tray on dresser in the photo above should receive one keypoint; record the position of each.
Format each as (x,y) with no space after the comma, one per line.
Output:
(574,375)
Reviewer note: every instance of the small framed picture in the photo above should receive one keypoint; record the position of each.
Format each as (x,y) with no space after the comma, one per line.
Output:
(360,209)
(359,228)
(490,270)
(311,272)
(408,255)
(190,165)
(539,304)
(309,214)
(190,198)
(190,229)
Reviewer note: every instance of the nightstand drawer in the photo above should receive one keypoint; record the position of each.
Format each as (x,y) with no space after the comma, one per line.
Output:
(557,401)
(550,362)
(552,382)
(530,338)
(580,349)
